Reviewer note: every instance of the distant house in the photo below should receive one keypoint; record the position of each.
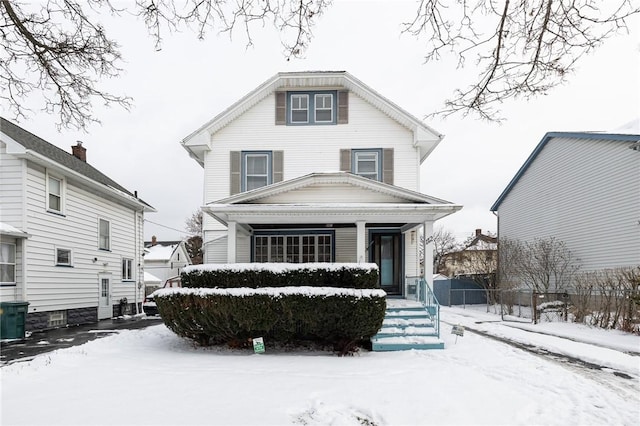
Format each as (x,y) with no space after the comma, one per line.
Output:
(165,259)
(71,239)
(477,258)
(317,167)
(584,190)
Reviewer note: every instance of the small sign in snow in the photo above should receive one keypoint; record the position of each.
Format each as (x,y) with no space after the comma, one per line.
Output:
(458,330)
(258,345)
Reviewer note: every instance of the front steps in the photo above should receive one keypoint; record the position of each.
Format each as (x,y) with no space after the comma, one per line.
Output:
(407,325)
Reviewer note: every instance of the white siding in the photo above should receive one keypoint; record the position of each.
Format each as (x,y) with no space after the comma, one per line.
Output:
(11,188)
(216,251)
(309,149)
(334,194)
(54,287)
(585,193)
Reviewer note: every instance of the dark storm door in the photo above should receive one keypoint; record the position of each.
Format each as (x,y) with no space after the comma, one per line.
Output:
(387,254)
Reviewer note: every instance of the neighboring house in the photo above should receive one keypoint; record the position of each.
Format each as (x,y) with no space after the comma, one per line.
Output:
(317,167)
(478,258)
(151,283)
(71,238)
(165,259)
(582,189)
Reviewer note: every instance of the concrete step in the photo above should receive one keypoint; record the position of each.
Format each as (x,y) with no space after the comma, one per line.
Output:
(403,343)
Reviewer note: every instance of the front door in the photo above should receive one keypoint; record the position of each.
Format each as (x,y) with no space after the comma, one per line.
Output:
(387,254)
(105,308)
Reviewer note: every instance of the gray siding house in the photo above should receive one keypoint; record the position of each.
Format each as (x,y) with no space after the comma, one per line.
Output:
(582,189)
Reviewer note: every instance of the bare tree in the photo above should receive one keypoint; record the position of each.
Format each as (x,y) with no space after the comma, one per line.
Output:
(194,242)
(530,46)
(522,48)
(542,265)
(444,242)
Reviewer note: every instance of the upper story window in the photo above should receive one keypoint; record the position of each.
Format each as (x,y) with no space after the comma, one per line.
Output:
(63,257)
(55,194)
(374,163)
(256,169)
(366,163)
(7,263)
(311,107)
(104,235)
(127,269)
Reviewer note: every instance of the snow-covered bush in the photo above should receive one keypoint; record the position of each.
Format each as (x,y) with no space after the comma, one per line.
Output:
(325,315)
(257,275)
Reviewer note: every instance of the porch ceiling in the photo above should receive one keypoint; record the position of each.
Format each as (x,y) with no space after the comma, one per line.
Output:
(329,213)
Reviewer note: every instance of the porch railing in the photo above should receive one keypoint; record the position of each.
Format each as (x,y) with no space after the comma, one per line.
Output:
(417,288)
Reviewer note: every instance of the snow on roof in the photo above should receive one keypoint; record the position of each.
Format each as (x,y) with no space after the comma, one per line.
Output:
(151,279)
(630,128)
(7,229)
(277,267)
(159,252)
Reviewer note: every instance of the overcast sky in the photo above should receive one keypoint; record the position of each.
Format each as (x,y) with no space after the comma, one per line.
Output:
(188,82)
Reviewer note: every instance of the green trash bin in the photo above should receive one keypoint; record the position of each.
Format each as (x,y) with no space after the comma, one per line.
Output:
(13,316)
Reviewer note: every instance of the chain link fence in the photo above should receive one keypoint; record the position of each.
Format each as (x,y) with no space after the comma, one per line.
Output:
(610,309)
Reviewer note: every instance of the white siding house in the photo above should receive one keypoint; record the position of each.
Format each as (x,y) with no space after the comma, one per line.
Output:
(583,189)
(165,259)
(72,239)
(317,167)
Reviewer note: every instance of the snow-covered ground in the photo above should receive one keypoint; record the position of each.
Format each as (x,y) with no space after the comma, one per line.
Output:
(153,377)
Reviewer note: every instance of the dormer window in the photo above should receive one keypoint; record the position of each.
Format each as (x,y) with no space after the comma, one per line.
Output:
(299,109)
(313,107)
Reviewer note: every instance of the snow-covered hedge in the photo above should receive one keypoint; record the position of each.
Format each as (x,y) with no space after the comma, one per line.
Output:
(256,275)
(333,316)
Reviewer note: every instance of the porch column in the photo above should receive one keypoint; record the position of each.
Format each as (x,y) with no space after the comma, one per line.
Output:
(231,242)
(361,254)
(427,250)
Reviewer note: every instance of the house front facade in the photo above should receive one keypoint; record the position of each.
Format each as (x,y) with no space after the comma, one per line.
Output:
(582,189)
(317,167)
(71,238)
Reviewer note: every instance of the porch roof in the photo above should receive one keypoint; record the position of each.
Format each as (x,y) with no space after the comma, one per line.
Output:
(407,207)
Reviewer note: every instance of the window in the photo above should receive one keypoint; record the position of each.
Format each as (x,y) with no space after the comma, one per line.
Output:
(324,108)
(366,163)
(299,109)
(104,235)
(55,191)
(57,318)
(293,247)
(256,170)
(7,263)
(311,107)
(127,269)
(63,257)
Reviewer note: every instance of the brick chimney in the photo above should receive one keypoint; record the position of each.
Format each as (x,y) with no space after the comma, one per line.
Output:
(79,151)
(154,240)
(478,232)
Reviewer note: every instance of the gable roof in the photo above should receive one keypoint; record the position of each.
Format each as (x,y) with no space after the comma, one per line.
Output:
(425,137)
(330,178)
(50,153)
(551,135)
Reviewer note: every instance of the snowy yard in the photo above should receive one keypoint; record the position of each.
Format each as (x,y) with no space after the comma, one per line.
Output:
(153,377)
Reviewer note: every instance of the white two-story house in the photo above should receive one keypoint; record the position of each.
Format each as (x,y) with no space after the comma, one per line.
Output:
(317,167)
(71,238)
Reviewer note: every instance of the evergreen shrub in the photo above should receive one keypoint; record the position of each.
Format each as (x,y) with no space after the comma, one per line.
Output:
(258,275)
(328,316)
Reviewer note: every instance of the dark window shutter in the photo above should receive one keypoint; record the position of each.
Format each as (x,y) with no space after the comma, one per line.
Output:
(343,107)
(281,108)
(278,166)
(235,166)
(345,160)
(387,165)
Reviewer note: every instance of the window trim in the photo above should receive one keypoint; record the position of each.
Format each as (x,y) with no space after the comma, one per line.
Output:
(130,276)
(292,109)
(243,167)
(294,233)
(108,248)
(14,264)
(311,107)
(354,161)
(316,109)
(61,195)
(57,263)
